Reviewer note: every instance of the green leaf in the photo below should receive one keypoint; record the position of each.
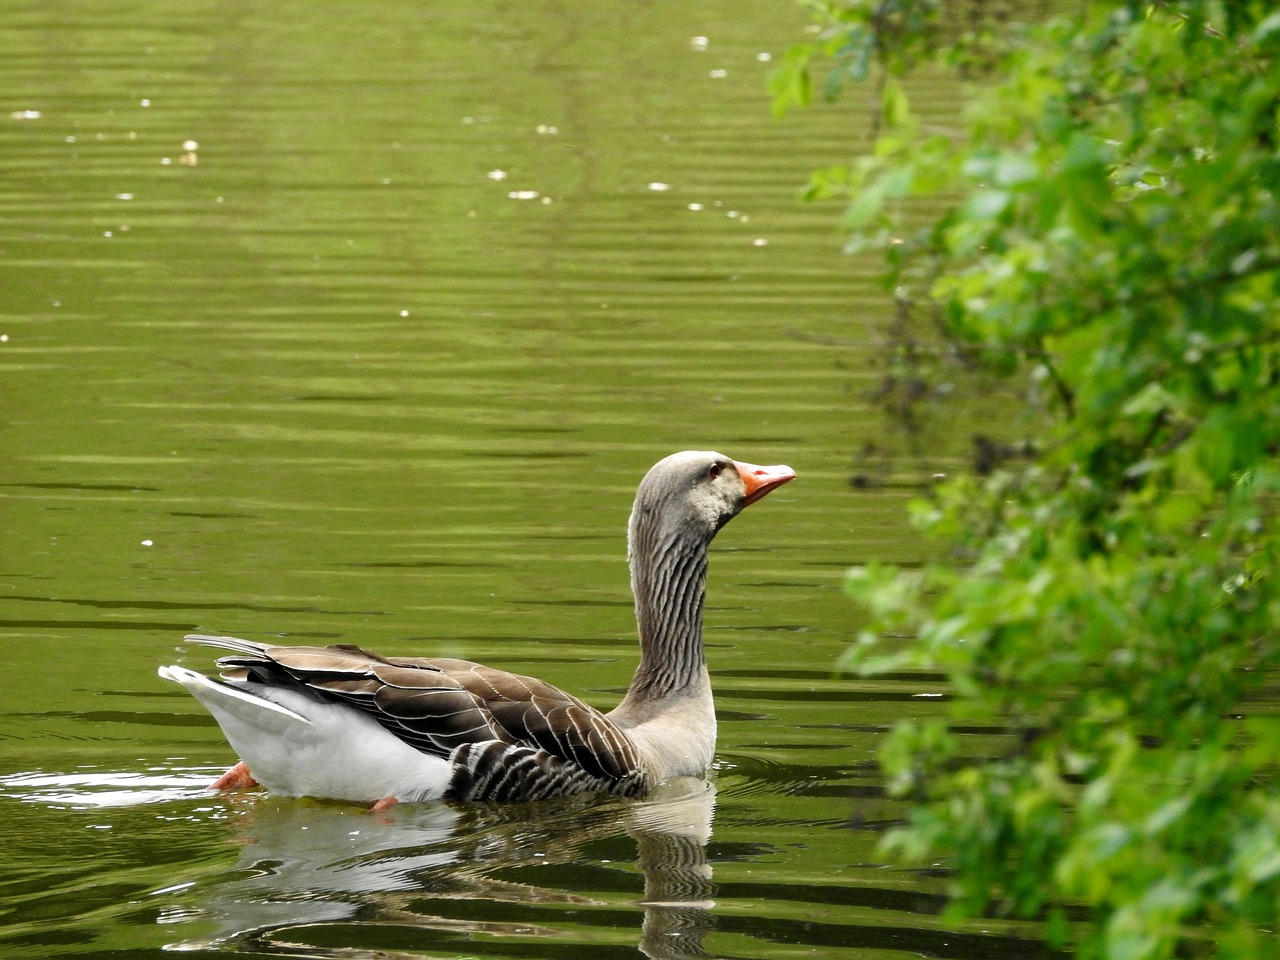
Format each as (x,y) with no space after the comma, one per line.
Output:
(895,109)
(1014,169)
(986,204)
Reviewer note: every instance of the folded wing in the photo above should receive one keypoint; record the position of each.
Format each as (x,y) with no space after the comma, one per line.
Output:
(514,736)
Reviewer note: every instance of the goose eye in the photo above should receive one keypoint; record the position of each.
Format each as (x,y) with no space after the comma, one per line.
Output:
(713,471)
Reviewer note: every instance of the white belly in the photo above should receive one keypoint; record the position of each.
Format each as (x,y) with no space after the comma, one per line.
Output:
(298,746)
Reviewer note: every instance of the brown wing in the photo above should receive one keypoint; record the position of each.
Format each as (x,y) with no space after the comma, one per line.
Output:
(438,705)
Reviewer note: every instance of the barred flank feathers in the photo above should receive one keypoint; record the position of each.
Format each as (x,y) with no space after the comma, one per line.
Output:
(506,772)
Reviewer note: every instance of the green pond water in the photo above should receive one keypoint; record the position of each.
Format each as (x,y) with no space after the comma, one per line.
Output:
(360,322)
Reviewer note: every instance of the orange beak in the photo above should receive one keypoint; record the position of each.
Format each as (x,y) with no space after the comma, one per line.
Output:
(760,480)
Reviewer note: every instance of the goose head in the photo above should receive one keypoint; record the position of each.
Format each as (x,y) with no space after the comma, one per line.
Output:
(681,504)
(691,495)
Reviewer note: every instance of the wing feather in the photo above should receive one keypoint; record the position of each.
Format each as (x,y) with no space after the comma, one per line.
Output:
(541,736)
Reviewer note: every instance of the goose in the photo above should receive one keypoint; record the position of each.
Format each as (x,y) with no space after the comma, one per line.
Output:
(343,723)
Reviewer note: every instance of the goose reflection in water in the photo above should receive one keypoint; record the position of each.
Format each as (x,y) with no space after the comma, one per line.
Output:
(329,880)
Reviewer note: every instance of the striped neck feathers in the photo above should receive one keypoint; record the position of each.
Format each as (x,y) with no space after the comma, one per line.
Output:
(668,577)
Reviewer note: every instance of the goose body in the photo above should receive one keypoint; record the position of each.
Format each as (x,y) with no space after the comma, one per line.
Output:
(344,723)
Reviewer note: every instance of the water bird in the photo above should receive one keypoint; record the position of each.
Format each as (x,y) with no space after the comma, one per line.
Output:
(347,724)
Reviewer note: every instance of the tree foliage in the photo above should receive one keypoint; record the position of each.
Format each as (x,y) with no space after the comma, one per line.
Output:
(1104,229)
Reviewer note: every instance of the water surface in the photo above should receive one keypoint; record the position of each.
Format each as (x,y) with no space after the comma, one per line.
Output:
(360,323)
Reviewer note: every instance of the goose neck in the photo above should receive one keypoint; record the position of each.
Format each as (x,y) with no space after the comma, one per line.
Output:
(669,581)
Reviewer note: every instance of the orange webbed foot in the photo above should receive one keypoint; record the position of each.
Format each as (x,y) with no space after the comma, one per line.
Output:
(237,778)
(386,803)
